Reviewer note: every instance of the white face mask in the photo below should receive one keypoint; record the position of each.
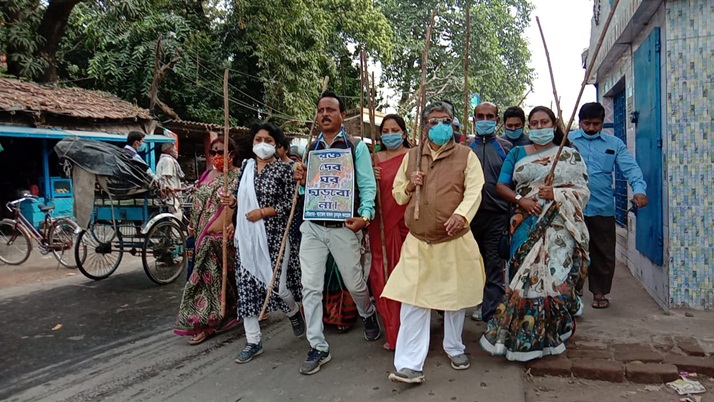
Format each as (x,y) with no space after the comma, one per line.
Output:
(264,150)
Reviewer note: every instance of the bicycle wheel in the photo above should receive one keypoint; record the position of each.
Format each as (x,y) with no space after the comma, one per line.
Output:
(15,246)
(164,252)
(61,241)
(98,251)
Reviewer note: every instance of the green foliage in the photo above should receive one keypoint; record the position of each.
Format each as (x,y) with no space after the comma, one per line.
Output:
(498,54)
(278,51)
(19,40)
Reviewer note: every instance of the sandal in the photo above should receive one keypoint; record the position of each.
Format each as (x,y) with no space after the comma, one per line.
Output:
(600,302)
(343,329)
(198,338)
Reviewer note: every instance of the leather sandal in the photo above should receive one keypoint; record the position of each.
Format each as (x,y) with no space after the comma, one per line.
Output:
(601,302)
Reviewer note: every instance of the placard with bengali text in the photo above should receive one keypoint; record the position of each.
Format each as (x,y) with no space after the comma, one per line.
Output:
(329,189)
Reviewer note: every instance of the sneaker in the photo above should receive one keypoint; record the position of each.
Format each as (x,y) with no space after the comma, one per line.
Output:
(407,376)
(315,359)
(249,352)
(460,362)
(298,323)
(372,331)
(476,316)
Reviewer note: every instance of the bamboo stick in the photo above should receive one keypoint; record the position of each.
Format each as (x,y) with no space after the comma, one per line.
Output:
(588,71)
(226,142)
(362,67)
(420,110)
(465,123)
(286,232)
(374,135)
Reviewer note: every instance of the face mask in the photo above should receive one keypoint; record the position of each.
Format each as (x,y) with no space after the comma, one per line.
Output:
(441,133)
(541,136)
(142,147)
(590,136)
(264,150)
(220,164)
(514,134)
(485,127)
(377,148)
(392,140)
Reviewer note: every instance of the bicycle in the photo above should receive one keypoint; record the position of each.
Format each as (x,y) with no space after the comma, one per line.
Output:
(57,235)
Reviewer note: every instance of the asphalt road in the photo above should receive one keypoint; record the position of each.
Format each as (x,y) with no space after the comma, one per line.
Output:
(116,344)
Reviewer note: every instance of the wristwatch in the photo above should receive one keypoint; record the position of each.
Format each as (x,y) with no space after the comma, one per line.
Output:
(366,221)
(518,198)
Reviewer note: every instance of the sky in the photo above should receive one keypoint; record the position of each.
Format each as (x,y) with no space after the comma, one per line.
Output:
(566,27)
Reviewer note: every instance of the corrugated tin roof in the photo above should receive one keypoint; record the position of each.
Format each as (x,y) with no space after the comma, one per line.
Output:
(20,96)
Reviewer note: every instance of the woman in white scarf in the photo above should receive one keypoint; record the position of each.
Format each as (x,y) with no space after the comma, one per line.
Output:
(264,199)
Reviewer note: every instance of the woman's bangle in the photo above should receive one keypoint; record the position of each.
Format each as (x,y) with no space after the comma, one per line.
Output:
(262,215)
(233,204)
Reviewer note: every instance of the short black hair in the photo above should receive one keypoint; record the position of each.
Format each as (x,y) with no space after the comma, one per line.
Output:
(514,111)
(133,137)
(592,110)
(284,142)
(332,94)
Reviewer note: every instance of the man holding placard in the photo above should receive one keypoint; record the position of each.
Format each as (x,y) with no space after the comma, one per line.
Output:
(340,190)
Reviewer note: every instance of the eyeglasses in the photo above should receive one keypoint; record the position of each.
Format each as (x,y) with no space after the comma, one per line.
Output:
(215,152)
(435,121)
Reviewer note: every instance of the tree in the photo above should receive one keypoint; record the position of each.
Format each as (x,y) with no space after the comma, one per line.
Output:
(277,51)
(499,54)
(33,32)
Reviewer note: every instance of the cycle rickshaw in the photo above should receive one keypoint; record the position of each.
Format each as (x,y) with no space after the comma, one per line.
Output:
(120,209)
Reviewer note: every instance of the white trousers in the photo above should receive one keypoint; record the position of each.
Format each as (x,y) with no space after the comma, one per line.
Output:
(252,324)
(413,338)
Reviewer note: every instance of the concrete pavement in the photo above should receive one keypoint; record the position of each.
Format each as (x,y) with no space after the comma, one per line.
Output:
(116,344)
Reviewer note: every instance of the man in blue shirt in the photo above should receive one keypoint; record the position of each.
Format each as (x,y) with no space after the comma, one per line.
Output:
(341,239)
(601,153)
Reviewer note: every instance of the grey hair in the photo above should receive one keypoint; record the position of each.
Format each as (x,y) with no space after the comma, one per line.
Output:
(166,147)
(437,107)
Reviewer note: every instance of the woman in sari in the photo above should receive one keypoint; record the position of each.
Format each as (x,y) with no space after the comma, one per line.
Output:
(388,161)
(263,201)
(549,246)
(199,314)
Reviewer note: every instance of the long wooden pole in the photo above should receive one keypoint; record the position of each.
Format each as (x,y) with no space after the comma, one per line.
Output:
(422,105)
(465,121)
(226,169)
(376,134)
(286,232)
(362,67)
(559,111)
(550,70)
(588,71)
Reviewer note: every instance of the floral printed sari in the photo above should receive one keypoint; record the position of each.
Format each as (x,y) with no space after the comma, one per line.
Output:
(200,309)
(549,256)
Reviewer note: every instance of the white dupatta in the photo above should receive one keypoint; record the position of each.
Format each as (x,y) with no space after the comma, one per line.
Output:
(251,239)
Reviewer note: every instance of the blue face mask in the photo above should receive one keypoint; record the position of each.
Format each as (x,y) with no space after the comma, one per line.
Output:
(514,134)
(392,140)
(541,136)
(142,147)
(590,136)
(441,133)
(485,127)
